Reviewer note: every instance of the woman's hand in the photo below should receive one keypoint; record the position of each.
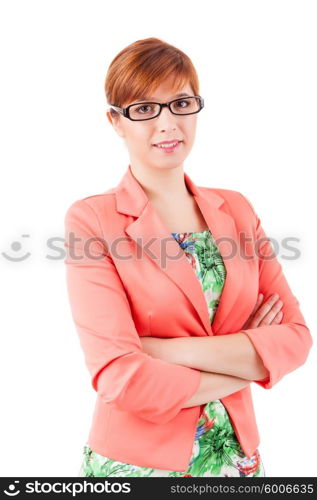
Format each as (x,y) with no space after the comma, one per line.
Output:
(268,313)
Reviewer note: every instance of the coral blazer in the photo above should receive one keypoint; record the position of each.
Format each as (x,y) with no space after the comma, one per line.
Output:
(127,278)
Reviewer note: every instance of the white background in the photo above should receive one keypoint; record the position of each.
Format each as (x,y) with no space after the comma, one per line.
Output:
(256,61)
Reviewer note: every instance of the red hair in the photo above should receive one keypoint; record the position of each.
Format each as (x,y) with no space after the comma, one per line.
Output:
(139,68)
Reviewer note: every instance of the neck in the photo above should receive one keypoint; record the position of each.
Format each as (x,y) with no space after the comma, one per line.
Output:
(162,184)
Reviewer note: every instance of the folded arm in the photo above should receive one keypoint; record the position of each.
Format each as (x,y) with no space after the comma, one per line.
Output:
(215,386)
(232,354)
(263,354)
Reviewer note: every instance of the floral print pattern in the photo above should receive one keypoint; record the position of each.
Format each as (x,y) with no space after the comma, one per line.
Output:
(216,450)
(203,254)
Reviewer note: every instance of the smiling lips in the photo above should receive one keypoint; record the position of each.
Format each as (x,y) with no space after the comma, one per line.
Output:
(168,145)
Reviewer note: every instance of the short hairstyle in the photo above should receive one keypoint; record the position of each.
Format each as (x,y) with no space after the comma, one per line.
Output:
(140,68)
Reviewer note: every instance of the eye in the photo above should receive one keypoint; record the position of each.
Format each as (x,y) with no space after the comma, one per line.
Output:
(180,102)
(142,107)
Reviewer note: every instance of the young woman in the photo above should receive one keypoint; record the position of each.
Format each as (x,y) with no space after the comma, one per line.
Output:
(176,295)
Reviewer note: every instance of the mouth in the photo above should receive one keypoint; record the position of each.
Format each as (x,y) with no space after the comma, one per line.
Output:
(168,147)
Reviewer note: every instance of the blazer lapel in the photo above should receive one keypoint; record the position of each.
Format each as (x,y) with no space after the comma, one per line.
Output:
(150,233)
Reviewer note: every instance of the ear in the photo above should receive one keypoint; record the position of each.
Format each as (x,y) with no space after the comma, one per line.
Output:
(115,120)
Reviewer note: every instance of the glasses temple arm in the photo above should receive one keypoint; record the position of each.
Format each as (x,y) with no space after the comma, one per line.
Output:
(116,108)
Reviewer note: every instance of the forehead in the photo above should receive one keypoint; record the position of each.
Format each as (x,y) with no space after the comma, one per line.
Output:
(170,96)
(165,92)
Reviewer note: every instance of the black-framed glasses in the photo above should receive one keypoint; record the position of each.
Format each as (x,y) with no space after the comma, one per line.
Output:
(149,110)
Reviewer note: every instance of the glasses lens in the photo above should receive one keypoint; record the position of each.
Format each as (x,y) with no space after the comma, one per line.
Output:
(186,105)
(148,110)
(144,111)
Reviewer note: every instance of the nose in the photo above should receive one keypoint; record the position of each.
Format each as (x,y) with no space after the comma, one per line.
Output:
(166,119)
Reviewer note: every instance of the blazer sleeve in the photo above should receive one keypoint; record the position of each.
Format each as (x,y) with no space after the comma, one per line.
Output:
(285,346)
(122,374)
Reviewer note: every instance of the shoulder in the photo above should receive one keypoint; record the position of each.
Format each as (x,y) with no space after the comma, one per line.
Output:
(93,205)
(231,198)
(235,204)
(92,215)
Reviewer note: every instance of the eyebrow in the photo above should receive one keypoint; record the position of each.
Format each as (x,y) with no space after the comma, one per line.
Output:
(182,94)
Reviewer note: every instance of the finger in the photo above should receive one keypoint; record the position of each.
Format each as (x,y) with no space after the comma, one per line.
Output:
(266,307)
(272,313)
(278,318)
(249,323)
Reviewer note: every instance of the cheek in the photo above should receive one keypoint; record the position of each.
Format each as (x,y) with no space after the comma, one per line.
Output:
(189,129)
(193,125)
(140,139)
(135,143)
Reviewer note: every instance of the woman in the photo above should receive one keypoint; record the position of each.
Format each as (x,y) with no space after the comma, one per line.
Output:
(175,314)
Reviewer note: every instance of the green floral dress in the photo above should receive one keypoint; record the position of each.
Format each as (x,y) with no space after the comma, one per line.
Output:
(216,449)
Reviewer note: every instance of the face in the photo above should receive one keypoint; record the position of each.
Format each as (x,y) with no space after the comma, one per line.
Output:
(139,136)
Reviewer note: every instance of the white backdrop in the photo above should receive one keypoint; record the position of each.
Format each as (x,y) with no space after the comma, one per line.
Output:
(257,134)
